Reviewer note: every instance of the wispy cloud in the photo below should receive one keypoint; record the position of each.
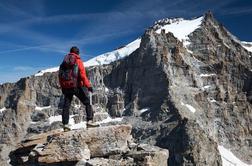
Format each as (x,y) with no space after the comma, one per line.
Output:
(50,48)
(237,11)
(24,68)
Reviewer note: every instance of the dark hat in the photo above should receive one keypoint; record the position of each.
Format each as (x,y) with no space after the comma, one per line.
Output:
(75,50)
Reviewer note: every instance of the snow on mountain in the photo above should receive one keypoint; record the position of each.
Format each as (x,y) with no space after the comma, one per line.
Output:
(2,110)
(102,59)
(191,108)
(181,28)
(229,159)
(115,55)
(42,72)
(247,45)
(37,108)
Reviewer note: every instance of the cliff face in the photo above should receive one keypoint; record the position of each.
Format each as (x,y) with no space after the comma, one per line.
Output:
(187,99)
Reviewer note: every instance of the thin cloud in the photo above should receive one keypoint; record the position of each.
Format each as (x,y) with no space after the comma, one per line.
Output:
(60,46)
(39,47)
(237,11)
(24,68)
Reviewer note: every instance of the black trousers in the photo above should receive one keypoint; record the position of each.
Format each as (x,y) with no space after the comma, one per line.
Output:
(81,93)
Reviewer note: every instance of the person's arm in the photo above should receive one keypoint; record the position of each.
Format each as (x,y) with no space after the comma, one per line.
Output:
(83,75)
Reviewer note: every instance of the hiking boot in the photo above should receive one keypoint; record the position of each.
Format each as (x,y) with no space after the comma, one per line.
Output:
(91,124)
(67,128)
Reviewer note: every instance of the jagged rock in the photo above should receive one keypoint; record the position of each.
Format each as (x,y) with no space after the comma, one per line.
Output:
(39,116)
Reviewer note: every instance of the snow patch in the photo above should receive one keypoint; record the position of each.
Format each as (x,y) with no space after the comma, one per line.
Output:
(51,70)
(206,87)
(42,108)
(191,108)
(72,124)
(78,125)
(207,75)
(109,57)
(82,124)
(77,106)
(55,119)
(143,110)
(229,159)
(247,45)
(213,101)
(2,110)
(106,89)
(109,119)
(182,28)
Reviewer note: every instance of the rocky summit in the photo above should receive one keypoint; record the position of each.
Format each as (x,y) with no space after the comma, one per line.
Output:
(184,88)
(95,146)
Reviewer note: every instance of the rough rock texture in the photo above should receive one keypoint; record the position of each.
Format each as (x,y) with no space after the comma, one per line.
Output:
(111,142)
(211,77)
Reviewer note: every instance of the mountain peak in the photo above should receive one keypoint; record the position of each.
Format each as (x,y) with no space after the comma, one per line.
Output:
(209,14)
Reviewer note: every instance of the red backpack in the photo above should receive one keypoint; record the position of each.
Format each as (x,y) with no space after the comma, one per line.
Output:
(69,72)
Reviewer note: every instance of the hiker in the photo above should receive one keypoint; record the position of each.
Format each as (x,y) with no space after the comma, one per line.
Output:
(73,81)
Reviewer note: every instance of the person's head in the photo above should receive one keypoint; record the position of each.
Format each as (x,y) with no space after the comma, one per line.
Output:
(75,50)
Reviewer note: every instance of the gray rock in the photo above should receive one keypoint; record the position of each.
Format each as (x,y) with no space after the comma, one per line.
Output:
(39,116)
(99,116)
(110,162)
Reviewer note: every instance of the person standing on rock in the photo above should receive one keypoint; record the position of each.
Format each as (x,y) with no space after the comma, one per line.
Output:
(74,81)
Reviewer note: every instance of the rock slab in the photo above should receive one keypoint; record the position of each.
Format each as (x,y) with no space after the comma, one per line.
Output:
(111,145)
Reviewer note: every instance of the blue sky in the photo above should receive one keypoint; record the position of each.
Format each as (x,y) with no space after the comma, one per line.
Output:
(35,34)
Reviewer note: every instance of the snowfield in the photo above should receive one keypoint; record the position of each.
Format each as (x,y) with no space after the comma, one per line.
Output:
(182,28)
(229,159)
(115,55)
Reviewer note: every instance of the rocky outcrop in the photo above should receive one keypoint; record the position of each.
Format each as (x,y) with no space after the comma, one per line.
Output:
(102,145)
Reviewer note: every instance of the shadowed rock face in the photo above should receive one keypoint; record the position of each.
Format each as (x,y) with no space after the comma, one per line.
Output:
(212,77)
